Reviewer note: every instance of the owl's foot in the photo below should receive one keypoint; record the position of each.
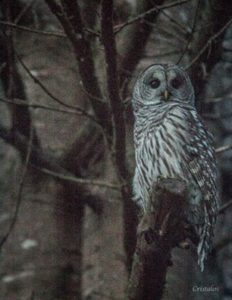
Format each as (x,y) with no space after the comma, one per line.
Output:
(184,245)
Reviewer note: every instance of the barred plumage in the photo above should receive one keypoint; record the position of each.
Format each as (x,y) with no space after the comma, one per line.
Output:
(171,141)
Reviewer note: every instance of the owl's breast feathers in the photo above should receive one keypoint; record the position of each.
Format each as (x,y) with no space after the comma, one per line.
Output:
(173,142)
(162,137)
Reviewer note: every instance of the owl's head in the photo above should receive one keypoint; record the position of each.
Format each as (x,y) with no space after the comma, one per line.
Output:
(163,84)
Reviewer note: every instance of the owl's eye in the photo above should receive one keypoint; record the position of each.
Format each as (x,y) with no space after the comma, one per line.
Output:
(176,83)
(154,83)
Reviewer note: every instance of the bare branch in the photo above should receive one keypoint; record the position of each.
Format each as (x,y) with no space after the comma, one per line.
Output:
(41,160)
(134,40)
(166,32)
(224,207)
(141,16)
(223,149)
(43,87)
(112,86)
(58,34)
(79,112)
(217,116)
(21,185)
(26,7)
(12,82)
(214,18)
(160,230)
(74,179)
(174,21)
(119,132)
(70,17)
(192,33)
(208,43)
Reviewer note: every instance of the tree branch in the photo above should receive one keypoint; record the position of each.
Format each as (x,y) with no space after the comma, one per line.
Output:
(208,43)
(70,18)
(191,34)
(223,149)
(160,230)
(21,185)
(42,160)
(217,16)
(135,39)
(43,87)
(58,34)
(141,16)
(119,132)
(224,207)
(77,111)
(12,83)
(74,179)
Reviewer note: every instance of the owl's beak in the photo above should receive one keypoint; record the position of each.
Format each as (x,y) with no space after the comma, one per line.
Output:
(166,95)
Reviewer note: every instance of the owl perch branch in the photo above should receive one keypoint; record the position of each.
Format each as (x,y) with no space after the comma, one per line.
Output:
(159,231)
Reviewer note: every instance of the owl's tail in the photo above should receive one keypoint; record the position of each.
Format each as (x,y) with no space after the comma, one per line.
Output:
(205,243)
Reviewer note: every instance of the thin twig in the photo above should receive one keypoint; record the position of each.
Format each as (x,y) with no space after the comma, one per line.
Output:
(217,116)
(69,15)
(119,27)
(91,96)
(69,178)
(224,207)
(166,32)
(21,185)
(223,149)
(217,99)
(39,159)
(42,86)
(174,21)
(58,34)
(24,10)
(208,43)
(191,35)
(21,102)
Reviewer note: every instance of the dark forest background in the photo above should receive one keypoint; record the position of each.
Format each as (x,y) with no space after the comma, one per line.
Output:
(67,222)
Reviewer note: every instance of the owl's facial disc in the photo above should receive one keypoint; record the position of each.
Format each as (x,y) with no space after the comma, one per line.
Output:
(163,84)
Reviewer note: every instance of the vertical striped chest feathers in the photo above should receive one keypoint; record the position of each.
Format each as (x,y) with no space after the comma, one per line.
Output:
(163,96)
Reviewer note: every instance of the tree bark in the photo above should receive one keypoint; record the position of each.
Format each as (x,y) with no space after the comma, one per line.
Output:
(160,230)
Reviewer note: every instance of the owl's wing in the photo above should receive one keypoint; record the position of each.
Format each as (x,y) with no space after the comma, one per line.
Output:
(199,166)
(201,161)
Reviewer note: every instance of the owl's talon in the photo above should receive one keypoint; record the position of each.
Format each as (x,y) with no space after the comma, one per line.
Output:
(184,245)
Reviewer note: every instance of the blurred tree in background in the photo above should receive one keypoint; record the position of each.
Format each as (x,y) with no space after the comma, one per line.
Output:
(68,224)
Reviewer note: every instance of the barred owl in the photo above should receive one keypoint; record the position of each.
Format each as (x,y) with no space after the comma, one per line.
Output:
(171,141)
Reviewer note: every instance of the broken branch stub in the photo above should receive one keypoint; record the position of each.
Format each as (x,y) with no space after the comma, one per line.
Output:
(161,228)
